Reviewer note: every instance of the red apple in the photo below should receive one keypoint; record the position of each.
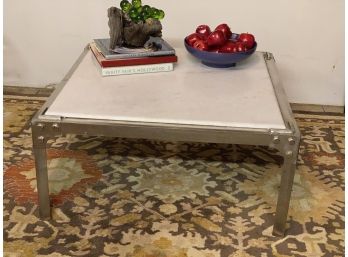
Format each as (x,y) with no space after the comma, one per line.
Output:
(247,39)
(228,47)
(241,47)
(216,38)
(203,30)
(225,29)
(214,49)
(201,45)
(191,39)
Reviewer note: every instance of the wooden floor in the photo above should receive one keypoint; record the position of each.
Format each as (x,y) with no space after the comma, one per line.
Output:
(12,90)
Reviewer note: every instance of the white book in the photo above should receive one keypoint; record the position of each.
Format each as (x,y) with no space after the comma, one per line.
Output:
(133,69)
(136,69)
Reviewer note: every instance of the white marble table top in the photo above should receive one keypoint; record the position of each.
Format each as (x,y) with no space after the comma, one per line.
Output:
(240,97)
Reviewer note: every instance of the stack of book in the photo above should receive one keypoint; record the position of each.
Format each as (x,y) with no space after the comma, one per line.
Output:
(122,60)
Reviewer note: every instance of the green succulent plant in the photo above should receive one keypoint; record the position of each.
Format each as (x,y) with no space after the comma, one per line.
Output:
(138,12)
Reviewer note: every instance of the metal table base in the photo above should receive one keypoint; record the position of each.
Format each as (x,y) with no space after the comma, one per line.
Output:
(286,141)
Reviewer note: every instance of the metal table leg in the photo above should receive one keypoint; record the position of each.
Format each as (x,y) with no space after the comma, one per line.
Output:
(39,149)
(284,194)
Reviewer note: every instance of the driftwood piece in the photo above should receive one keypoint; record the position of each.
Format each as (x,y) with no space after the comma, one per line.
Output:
(123,31)
(137,34)
(115,27)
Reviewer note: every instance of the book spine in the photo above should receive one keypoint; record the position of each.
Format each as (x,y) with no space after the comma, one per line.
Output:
(136,55)
(139,61)
(137,69)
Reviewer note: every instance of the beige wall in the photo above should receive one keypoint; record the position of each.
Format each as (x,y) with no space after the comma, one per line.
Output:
(42,38)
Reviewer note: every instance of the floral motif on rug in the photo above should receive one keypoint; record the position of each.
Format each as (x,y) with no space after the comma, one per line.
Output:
(68,172)
(171,183)
(126,197)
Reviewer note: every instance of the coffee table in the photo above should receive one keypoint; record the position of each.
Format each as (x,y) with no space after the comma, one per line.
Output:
(243,105)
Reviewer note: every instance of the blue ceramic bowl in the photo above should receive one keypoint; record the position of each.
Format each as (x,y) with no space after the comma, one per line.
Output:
(220,60)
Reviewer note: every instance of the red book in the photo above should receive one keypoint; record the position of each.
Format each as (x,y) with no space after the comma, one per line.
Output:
(131,61)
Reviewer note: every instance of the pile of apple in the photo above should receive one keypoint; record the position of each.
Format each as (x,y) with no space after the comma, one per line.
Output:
(220,40)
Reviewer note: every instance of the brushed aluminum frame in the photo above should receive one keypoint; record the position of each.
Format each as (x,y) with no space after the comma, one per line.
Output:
(286,141)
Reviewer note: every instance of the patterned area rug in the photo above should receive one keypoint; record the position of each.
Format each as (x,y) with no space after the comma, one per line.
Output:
(143,198)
